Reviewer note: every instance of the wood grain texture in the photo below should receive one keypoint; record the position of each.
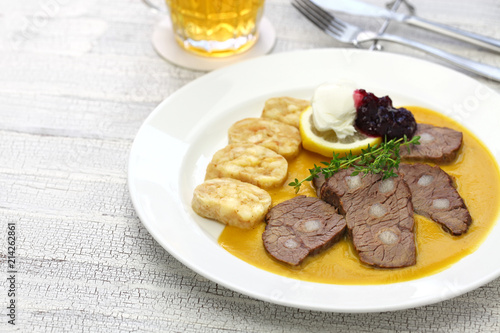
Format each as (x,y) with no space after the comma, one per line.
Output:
(77,79)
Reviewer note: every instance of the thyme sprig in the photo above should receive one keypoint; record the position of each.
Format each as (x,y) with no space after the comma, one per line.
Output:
(380,158)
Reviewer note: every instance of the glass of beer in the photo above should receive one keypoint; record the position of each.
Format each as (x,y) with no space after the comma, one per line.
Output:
(215,28)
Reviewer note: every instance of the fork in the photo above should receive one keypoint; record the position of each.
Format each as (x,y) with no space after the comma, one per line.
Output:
(351,34)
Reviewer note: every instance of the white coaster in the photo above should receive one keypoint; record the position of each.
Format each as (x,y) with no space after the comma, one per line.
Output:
(164,43)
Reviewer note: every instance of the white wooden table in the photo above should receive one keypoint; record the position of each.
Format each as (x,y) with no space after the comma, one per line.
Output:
(77,79)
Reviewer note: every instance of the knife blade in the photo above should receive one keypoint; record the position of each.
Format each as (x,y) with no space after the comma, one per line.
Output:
(360,8)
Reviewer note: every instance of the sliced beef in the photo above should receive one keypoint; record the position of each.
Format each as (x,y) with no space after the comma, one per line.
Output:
(300,227)
(379,216)
(317,183)
(435,197)
(437,144)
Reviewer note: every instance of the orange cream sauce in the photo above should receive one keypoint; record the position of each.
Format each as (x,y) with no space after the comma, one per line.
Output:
(477,179)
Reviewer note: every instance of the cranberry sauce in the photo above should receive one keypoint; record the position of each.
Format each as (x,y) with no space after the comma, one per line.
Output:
(377,117)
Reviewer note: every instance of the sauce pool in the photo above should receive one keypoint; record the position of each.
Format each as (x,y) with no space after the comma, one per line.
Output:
(476,176)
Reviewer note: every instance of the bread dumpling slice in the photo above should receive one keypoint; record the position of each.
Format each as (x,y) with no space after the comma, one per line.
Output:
(285,109)
(249,163)
(231,202)
(275,135)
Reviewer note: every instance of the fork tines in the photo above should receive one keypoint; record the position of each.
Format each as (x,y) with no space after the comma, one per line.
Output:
(319,17)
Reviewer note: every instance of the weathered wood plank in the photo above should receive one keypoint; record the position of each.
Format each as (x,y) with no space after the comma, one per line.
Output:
(77,80)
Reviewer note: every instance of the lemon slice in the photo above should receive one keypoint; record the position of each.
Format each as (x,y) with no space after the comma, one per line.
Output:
(326,142)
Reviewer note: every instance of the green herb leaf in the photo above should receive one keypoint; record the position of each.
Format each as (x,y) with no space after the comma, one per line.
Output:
(380,158)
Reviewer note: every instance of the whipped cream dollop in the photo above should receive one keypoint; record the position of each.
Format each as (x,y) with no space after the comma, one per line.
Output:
(333,108)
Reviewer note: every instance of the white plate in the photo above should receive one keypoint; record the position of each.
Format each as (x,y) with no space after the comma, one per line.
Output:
(176,142)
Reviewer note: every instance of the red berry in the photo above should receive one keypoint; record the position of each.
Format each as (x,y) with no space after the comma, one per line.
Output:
(377,117)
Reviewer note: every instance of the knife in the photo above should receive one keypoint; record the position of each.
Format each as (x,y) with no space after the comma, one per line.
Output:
(356,7)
